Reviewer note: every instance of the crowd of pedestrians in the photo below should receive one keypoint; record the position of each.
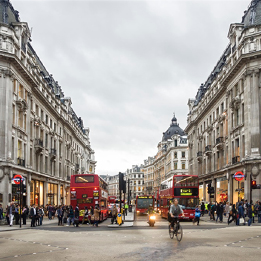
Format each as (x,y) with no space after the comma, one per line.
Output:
(241,213)
(65,215)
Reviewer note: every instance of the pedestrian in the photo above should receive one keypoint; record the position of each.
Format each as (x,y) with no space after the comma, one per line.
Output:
(11,212)
(218,212)
(249,214)
(241,215)
(227,207)
(65,215)
(232,214)
(114,213)
(259,213)
(213,210)
(60,216)
(24,215)
(16,214)
(1,212)
(41,214)
(126,208)
(33,215)
(197,215)
(202,207)
(96,216)
(37,217)
(85,216)
(50,211)
(70,216)
(7,215)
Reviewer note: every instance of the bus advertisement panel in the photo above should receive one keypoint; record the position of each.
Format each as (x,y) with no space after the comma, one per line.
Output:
(143,203)
(89,190)
(183,187)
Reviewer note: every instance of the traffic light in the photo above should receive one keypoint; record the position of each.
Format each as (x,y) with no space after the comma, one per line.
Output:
(124,186)
(121,181)
(212,190)
(253,184)
(209,186)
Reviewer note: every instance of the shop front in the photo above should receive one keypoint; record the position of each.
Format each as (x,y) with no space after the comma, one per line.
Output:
(52,194)
(238,187)
(61,195)
(221,189)
(37,193)
(16,187)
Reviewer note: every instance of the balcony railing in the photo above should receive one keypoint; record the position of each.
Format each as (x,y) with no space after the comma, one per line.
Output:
(235,159)
(208,149)
(21,162)
(219,140)
(199,154)
(53,154)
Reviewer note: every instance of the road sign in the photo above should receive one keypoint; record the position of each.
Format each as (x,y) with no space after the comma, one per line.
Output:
(17,179)
(239,176)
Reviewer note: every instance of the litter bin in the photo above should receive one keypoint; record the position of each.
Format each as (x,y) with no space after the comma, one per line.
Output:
(130,208)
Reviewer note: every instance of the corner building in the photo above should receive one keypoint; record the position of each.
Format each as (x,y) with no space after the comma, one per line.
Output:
(41,137)
(224,118)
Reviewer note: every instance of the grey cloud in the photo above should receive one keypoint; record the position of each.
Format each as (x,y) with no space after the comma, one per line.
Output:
(129,65)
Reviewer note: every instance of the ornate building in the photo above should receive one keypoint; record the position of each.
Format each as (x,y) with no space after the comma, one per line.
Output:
(42,139)
(224,117)
(171,158)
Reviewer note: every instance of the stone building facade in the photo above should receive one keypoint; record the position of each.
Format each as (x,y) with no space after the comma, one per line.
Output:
(42,139)
(171,158)
(224,118)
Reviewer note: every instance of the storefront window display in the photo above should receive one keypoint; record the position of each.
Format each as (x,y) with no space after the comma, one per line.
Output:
(61,194)
(52,195)
(238,191)
(37,193)
(200,192)
(221,189)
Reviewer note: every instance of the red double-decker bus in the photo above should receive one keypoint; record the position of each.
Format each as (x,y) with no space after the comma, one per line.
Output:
(143,203)
(183,187)
(89,190)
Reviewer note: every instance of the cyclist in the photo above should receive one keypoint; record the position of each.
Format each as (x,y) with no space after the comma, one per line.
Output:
(175,211)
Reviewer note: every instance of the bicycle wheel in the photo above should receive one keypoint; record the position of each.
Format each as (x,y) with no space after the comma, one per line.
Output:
(171,233)
(179,233)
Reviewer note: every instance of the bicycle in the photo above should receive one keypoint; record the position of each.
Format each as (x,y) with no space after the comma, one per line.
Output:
(177,231)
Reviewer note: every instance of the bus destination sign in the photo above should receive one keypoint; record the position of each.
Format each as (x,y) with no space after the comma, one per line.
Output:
(145,196)
(186,192)
(95,193)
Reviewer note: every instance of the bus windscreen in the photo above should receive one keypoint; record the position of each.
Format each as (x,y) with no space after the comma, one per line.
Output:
(184,181)
(144,203)
(84,179)
(188,203)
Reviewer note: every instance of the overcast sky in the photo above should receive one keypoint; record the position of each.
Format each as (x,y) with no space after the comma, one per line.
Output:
(128,65)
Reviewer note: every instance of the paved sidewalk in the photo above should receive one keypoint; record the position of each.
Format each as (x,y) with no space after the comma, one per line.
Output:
(127,222)
(46,222)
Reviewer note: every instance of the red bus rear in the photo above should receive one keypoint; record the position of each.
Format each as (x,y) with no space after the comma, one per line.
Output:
(143,203)
(89,190)
(183,187)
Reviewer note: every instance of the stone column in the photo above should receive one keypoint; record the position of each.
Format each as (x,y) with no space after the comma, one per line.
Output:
(59,194)
(255,114)
(28,189)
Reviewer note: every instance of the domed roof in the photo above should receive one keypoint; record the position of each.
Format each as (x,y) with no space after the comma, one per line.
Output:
(172,130)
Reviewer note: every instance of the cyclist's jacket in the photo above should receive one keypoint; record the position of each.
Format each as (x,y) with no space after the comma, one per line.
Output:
(176,210)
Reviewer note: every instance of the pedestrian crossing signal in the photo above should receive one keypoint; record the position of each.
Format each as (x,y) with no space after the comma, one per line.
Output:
(253,184)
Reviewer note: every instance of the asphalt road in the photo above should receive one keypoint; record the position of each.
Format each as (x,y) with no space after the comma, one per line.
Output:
(140,242)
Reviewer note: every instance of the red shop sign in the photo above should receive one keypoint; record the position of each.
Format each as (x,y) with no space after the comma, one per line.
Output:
(239,176)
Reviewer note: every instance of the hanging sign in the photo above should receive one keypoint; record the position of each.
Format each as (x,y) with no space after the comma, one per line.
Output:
(17,178)
(239,176)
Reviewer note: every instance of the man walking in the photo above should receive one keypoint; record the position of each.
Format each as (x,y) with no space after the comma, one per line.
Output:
(11,212)
(33,215)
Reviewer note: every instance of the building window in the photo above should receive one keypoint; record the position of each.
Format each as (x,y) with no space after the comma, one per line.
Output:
(14,86)
(175,143)
(54,126)
(19,149)
(175,165)
(46,140)
(51,123)
(46,119)
(20,119)
(183,154)
(21,91)
(13,114)
(183,165)
(243,112)
(42,115)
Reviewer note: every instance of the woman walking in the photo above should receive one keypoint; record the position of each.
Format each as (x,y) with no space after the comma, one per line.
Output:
(96,216)
(233,214)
